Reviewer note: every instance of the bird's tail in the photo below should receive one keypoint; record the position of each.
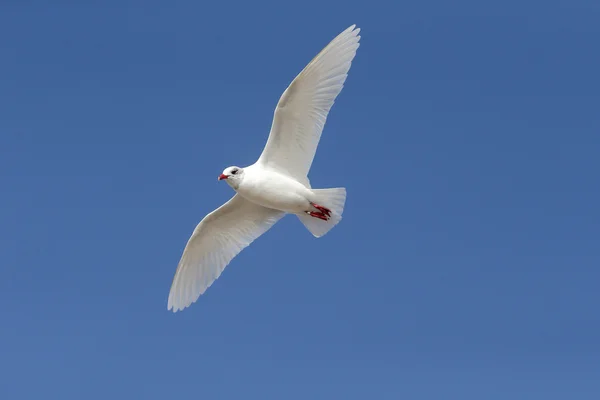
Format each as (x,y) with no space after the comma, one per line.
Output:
(332,199)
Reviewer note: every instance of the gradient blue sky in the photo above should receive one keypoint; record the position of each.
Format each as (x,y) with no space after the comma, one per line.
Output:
(467,264)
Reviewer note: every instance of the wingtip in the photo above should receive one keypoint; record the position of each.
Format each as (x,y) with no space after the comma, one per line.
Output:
(173,307)
(174,310)
(354,29)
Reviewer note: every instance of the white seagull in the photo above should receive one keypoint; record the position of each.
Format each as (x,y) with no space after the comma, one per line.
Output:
(276,184)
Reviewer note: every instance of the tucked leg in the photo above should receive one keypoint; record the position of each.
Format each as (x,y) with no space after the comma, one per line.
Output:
(318,214)
(323,210)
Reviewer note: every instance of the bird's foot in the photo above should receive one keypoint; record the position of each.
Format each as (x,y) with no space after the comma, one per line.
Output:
(318,214)
(323,210)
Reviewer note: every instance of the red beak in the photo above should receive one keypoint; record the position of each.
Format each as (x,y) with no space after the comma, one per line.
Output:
(223,176)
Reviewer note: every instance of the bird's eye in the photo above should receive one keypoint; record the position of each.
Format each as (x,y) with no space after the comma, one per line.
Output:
(234,171)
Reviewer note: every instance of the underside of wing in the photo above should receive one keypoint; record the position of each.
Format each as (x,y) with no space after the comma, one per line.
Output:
(217,239)
(303,107)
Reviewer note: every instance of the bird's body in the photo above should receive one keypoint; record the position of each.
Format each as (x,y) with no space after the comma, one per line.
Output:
(275,190)
(277,184)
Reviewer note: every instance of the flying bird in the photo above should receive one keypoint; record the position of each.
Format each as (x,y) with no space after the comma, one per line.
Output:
(277,183)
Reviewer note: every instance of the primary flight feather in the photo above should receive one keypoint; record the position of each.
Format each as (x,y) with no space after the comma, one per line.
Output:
(277,183)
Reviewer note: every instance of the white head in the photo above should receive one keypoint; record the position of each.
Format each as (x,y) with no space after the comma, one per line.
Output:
(233,176)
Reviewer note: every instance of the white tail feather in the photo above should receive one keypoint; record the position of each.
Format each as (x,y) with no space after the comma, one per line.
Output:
(333,199)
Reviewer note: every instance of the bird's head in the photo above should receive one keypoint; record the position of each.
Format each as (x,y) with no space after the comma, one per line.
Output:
(233,176)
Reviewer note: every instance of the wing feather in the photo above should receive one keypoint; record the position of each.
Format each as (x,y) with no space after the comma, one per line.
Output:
(217,239)
(302,110)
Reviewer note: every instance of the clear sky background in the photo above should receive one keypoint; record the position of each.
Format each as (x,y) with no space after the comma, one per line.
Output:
(467,265)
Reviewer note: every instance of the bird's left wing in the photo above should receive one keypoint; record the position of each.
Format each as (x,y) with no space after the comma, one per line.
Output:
(303,107)
(219,237)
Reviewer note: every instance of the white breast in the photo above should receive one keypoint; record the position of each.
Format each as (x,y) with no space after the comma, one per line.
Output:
(273,190)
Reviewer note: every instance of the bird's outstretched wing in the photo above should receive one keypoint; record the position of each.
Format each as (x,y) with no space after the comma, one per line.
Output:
(303,107)
(219,237)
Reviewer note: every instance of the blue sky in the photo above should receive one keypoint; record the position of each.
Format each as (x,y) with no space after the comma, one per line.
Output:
(467,263)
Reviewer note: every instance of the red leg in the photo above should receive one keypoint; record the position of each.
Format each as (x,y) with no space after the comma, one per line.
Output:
(319,215)
(324,210)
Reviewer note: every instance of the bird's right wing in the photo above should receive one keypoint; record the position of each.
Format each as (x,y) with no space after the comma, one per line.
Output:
(303,107)
(219,237)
